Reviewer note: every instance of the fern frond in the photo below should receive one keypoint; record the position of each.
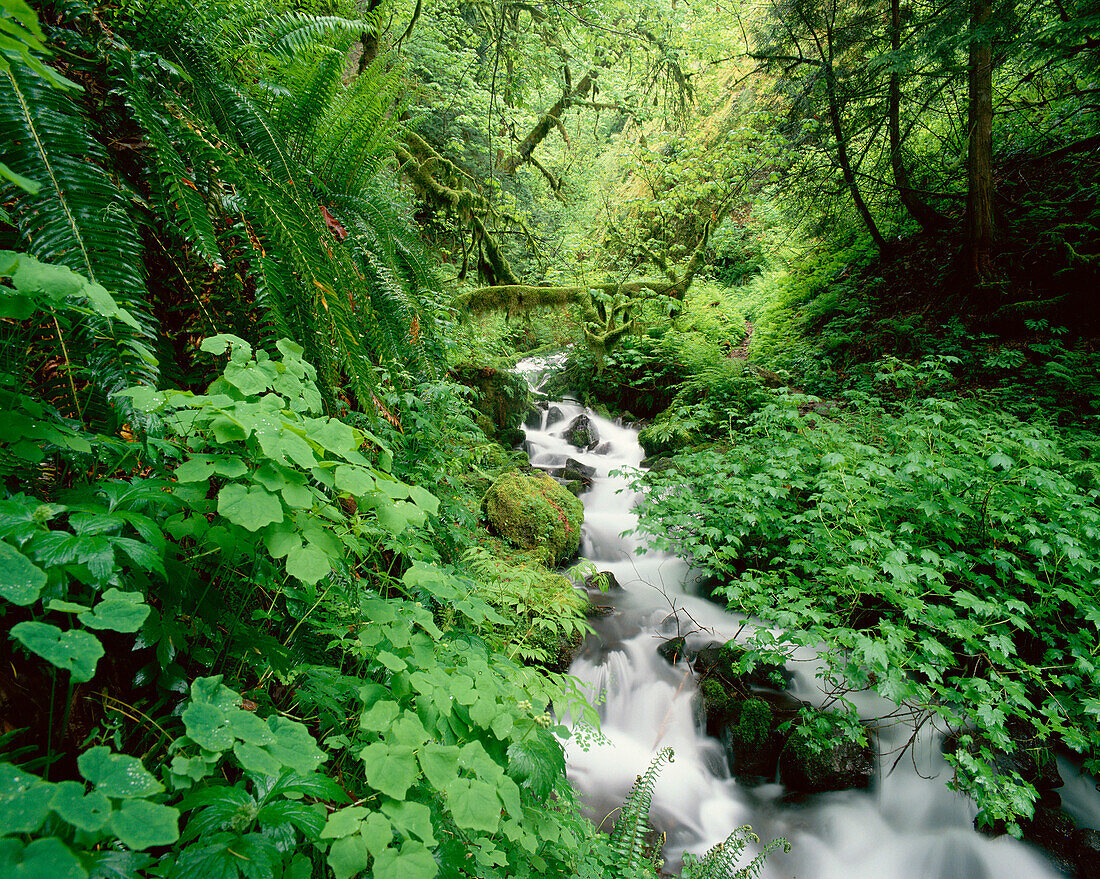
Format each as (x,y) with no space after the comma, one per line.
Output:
(292,32)
(721,861)
(183,202)
(78,218)
(628,835)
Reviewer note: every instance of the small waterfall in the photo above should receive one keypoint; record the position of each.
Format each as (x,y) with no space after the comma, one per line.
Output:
(908,826)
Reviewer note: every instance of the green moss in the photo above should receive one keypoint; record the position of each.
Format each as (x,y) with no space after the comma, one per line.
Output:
(533,512)
(663,438)
(715,695)
(502,397)
(754,725)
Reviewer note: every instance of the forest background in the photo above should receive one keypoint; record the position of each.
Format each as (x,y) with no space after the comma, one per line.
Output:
(844,254)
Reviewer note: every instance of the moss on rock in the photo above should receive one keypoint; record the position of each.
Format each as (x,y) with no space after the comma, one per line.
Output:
(533,512)
(663,439)
(502,397)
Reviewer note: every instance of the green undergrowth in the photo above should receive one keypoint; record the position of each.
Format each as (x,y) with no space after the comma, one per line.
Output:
(942,550)
(640,377)
(249,640)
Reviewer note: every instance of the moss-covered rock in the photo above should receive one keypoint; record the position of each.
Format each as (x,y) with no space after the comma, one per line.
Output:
(807,765)
(728,662)
(582,433)
(533,512)
(502,397)
(663,439)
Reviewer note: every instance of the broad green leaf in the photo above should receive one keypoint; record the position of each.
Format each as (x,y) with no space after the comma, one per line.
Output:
(118,611)
(413,861)
(88,812)
(209,726)
(414,818)
(424,499)
(141,824)
(21,581)
(376,832)
(256,760)
(349,856)
(226,341)
(379,717)
(117,775)
(294,746)
(247,727)
(390,769)
(47,858)
(440,764)
(212,691)
(355,480)
(74,651)
(308,563)
(250,507)
(474,805)
(24,800)
(344,822)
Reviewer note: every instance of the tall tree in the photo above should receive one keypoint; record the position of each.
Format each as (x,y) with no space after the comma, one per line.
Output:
(979,194)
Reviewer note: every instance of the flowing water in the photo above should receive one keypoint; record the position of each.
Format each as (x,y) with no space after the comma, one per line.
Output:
(908,826)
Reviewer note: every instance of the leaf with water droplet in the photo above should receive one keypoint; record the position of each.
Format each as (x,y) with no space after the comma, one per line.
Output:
(117,775)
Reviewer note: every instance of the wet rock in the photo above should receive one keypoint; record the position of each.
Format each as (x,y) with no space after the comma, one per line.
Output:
(534,416)
(582,433)
(724,661)
(602,449)
(602,581)
(598,610)
(574,486)
(658,464)
(533,512)
(1030,757)
(511,437)
(752,743)
(1086,853)
(1053,830)
(502,397)
(840,764)
(567,650)
(575,471)
(554,415)
(583,469)
(673,650)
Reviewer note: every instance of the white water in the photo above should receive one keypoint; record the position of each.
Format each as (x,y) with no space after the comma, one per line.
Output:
(908,826)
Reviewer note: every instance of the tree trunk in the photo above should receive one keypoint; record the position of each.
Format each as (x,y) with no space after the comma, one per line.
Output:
(929,218)
(845,161)
(979,196)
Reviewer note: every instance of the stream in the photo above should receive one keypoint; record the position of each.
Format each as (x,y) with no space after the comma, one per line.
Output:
(909,825)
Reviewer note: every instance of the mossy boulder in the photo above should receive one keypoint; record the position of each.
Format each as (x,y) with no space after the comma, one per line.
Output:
(740,670)
(533,512)
(663,439)
(809,765)
(502,398)
(582,433)
(752,740)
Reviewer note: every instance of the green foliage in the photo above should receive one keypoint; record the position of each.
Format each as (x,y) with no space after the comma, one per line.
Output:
(723,860)
(944,554)
(628,837)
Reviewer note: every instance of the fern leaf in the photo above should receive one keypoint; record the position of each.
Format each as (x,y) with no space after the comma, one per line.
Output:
(184,202)
(292,32)
(78,218)
(628,835)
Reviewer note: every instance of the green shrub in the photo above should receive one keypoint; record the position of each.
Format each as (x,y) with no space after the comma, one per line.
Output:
(942,553)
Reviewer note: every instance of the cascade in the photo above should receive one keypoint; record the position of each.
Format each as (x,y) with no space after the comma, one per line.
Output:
(909,825)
